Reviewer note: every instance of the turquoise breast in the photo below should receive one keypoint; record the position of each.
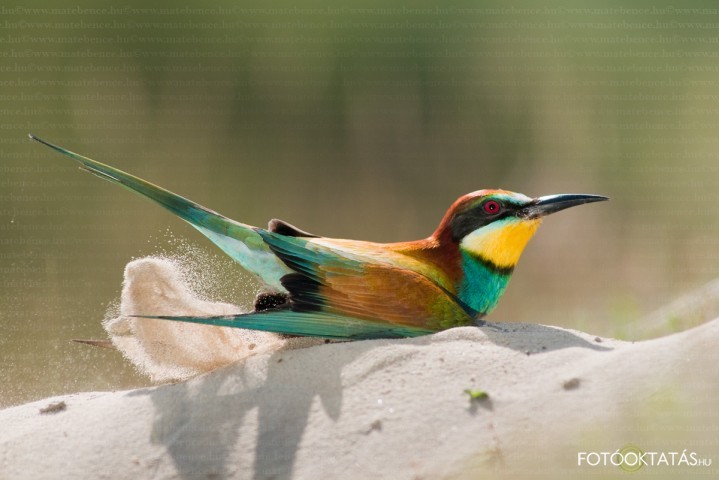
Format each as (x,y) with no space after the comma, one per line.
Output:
(483,284)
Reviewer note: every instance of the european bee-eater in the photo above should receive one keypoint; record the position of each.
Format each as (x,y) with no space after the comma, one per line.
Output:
(354,289)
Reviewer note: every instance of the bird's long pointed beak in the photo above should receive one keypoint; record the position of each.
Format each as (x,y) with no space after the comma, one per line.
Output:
(543,206)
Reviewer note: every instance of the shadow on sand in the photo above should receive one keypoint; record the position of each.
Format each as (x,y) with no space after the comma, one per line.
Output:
(200,425)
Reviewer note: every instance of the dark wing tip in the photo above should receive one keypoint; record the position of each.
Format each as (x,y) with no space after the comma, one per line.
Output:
(304,291)
(40,140)
(283,228)
(37,139)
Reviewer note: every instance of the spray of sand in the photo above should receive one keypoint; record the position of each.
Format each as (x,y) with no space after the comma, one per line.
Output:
(166,350)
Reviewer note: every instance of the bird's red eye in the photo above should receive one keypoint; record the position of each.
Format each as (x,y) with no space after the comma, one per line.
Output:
(491,207)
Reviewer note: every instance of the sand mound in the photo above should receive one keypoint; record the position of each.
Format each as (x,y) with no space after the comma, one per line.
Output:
(392,409)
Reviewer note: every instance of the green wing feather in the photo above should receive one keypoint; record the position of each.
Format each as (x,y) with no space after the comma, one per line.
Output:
(310,324)
(239,241)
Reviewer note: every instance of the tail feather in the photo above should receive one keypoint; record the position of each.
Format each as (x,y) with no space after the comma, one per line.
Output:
(310,324)
(248,246)
(239,241)
(102,343)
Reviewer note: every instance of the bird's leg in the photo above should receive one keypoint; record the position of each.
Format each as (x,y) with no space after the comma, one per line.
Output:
(269,300)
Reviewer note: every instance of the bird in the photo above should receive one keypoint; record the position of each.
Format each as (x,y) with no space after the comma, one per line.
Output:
(352,290)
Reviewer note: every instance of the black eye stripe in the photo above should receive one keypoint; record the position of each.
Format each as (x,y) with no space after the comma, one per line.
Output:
(469,220)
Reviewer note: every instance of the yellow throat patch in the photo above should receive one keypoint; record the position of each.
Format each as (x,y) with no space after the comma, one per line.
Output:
(503,242)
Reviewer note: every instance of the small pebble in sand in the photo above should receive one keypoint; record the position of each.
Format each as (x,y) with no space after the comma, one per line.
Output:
(54,408)
(571,384)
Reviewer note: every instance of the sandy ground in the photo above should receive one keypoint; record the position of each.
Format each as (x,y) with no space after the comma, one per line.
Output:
(395,409)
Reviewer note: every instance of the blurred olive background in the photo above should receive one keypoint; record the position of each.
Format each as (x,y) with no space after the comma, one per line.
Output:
(361,121)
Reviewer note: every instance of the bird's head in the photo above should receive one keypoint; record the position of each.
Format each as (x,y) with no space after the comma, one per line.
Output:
(494,226)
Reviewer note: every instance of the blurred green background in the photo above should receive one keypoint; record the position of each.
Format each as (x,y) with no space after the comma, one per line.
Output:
(360,121)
